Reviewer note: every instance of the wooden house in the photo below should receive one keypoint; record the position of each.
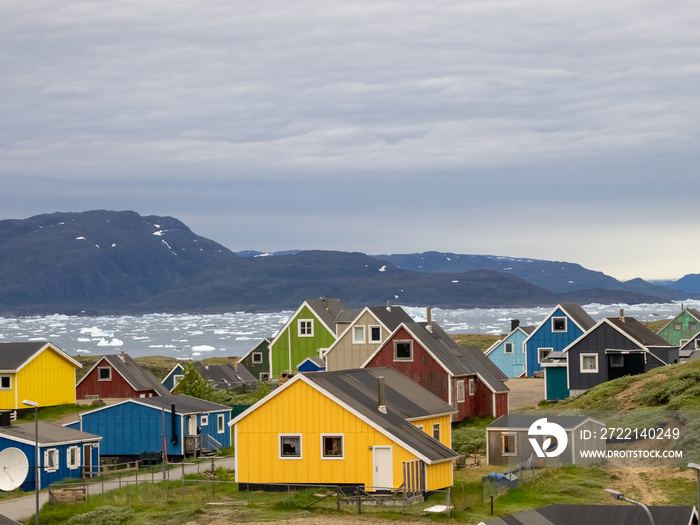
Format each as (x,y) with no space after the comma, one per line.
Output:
(560,328)
(461,376)
(614,347)
(508,353)
(63,452)
(257,360)
(308,332)
(312,364)
(38,371)
(373,428)
(186,425)
(508,439)
(118,376)
(172,378)
(364,333)
(227,377)
(624,514)
(681,328)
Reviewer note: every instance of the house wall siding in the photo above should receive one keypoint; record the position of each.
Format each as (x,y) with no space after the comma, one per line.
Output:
(48,379)
(346,354)
(543,337)
(258,368)
(512,365)
(117,387)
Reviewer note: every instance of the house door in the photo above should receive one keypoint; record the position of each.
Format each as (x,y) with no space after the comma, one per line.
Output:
(192,426)
(383,468)
(87,460)
(625,364)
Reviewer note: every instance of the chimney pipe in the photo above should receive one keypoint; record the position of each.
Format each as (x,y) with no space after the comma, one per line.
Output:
(429,325)
(388,306)
(514,323)
(622,315)
(381,394)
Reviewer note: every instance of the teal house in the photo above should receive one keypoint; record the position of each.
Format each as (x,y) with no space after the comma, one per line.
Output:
(508,353)
(307,333)
(679,330)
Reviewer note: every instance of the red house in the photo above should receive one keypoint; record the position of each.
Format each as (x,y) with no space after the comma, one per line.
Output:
(462,376)
(118,376)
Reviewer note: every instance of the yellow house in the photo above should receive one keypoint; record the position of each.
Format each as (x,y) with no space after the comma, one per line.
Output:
(38,371)
(371,427)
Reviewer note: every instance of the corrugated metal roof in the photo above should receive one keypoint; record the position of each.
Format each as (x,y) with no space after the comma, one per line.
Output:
(48,433)
(638,331)
(405,399)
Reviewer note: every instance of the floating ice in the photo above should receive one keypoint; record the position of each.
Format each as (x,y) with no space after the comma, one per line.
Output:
(113,342)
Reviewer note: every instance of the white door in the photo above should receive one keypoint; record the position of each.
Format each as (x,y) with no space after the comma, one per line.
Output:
(383,468)
(192,426)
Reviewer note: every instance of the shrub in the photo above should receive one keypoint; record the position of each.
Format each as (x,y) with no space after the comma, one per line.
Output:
(106,515)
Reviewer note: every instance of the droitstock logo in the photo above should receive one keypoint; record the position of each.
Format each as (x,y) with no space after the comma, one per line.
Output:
(543,428)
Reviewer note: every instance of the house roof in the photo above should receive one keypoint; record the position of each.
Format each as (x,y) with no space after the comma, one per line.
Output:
(694,312)
(524,421)
(49,434)
(638,331)
(227,375)
(317,361)
(326,309)
(357,391)
(13,356)
(579,316)
(184,404)
(599,515)
(458,360)
(527,330)
(138,377)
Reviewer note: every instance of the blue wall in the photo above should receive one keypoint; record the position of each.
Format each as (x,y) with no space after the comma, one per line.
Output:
(169,381)
(512,365)
(543,337)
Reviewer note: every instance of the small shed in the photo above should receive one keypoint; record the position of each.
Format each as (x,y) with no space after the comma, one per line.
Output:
(312,364)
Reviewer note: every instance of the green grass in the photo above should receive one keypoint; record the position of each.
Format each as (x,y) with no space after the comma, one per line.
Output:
(56,412)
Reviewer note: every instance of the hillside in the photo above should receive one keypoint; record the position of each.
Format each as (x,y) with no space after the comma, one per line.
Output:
(106,262)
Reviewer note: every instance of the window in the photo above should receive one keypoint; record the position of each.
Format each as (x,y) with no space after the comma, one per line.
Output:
(73,458)
(508,348)
(436,431)
(375,334)
(403,350)
(677,326)
(617,360)
(51,460)
(697,344)
(5,382)
(177,379)
(509,444)
(220,423)
(331,446)
(264,376)
(306,327)
(358,334)
(472,387)
(204,421)
(558,324)
(542,353)
(693,327)
(104,373)
(290,446)
(460,391)
(589,363)
(257,358)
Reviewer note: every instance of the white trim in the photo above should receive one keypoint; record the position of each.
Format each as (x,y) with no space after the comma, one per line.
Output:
(47,454)
(281,436)
(583,370)
(253,358)
(355,339)
(472,386)
(77,457)
(256,346)
(220,423)
(369,333)
(204,419)
(402,359)
(505,348)
(374,464)
(515,444)
(9,376)
(352,323)
(460,398)
(167,375)
(342,446)
(53,347)
(566,324)
(306,326)
(539,353)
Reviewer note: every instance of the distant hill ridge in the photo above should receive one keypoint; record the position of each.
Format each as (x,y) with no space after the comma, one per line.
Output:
(110,262)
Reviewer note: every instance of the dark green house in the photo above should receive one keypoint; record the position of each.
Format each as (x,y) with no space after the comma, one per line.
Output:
(257,360)
(682,328)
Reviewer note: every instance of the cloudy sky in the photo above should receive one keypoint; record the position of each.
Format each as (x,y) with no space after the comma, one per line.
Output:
(552,129)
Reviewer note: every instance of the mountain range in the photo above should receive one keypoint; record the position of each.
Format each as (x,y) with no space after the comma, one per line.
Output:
(108,262)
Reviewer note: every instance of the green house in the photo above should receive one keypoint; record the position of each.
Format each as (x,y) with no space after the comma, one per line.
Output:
(257,360)
(682,327)
(309,331)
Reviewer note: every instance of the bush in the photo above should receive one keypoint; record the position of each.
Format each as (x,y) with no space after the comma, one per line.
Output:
(106,515)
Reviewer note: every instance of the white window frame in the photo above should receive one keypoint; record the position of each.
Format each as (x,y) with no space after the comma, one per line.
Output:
(460,391)
(204,420)
(305,327)
(506,346)
(436,431)
(69,453)
(99,373)
(541,358)
(342,446)
(588,370)
(410,346)
(257,358)
(472,387)
(9,378)
(379,331)
(176,379)
(697,344)
(220,423)
(566,324)
(677,326)
(47,454)
(513,435)
(264,376)
(301,449)
(361,330)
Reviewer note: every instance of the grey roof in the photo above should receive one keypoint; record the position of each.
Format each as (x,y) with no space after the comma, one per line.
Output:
(694,312)
(527,329)
(598,515)
(318,361)
(264,341)
(524,421)
(4,520)
(49,434)
(184,404)
(391,318)
(579,315)
(226,376)
(690,344)
(348,316)
(14,355)
(137,376)
(638,331)
(326,309)
(459,360)
(405,400)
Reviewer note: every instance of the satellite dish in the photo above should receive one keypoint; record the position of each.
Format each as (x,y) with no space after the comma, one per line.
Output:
(14,468)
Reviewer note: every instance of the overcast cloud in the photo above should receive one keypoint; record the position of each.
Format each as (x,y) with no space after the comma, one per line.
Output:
(553,129)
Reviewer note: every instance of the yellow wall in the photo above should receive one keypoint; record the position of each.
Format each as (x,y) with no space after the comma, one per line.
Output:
(445,428)
(301,409)
(48,379)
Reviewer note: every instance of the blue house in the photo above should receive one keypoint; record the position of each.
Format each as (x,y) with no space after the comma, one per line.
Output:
(63,452)
(508,353)
(184,425)
(173,378)
(560,328)
(312,364)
